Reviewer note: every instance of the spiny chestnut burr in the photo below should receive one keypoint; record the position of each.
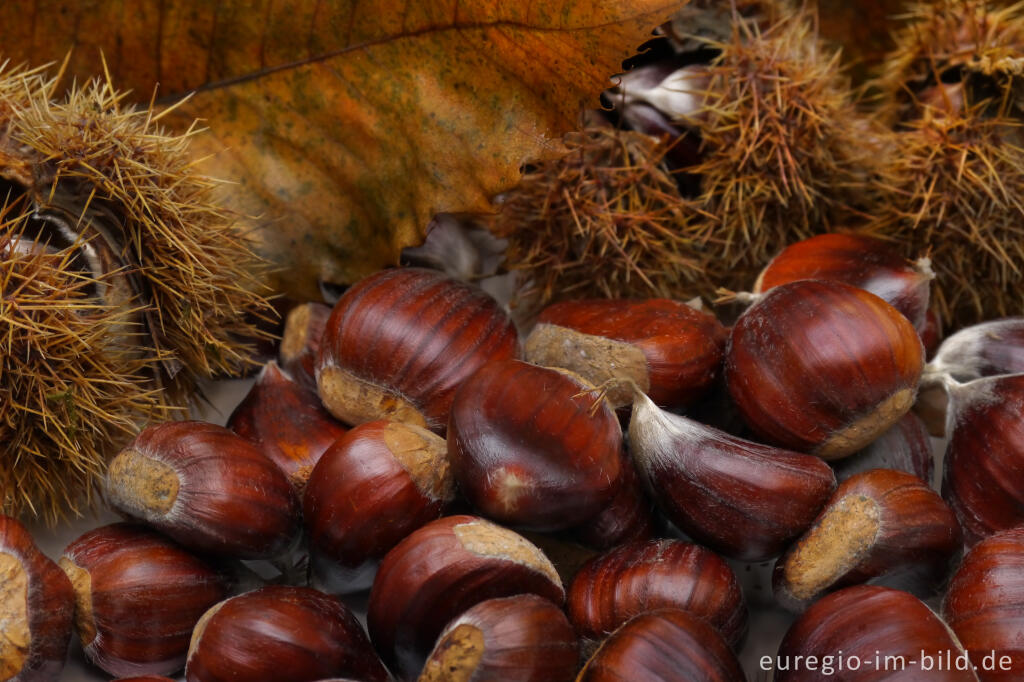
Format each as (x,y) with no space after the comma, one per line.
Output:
(867,632)
(904,447)
(665,645)
(400,342)
(865,262)
(523,638)
(206,487)
(742,499)
(377,484)
(628,517)
(281,633)
(984,466)
(985,605)
(138,596)
(300,343)
(637,577)
(670,350)
(441,570)
(36,607)
(878,523)
(822,367)
(534,447)
(287,422)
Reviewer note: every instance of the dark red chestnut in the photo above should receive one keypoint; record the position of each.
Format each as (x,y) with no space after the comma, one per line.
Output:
(377,484)
(300,343)
(628,517)
(985,606)
(441,570)
(138,596)
(287,422)
(866,633)
(984,466)
(534,447)
(400,342)
(206,487)
(986,349)
(670,350)
(667,645)
(523,638)
(742,499)
(822,367)
(904,447)
(637,577)
(878,523)
(281,633)
(36,607)
(865,262)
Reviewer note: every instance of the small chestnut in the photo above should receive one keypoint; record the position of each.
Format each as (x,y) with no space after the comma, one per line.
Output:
(138,596)
(281,633)
(36,608)
(206,487)
(400,342)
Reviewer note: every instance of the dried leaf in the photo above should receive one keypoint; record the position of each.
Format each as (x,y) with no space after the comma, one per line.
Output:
(349,124)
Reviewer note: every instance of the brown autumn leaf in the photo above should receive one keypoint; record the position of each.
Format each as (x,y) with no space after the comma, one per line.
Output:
(349,124)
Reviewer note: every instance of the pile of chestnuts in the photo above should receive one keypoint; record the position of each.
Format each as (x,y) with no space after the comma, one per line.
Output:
(568,505)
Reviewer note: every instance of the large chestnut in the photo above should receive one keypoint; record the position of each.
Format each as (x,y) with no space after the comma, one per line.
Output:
(670,350)
(281,633)
(36,606)
(637,577)
(534,447)
(985,605)
(822,367)
(400,342)
(138,596)
(441,570)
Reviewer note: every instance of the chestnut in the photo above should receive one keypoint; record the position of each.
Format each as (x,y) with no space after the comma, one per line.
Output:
(867,632)
(878,523)
(822,367)
(206,487)
(981,350)
(742,499)
(904,447)
(36,608)
(983,477)
(441,570)
(670,350)
(399,343)
(138,596)
(145,678)
(859,260)
(628,517)
(523,638)
(667,645)
(378,483)
(533,447)
(985,605)
(637,577)
(281,633)
(287,422)
(300,343)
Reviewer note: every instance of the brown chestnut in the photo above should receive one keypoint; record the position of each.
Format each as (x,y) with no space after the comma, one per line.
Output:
(981,350)
(670,350)
(822,367)
(377,484)
(400,342)
(637,577)
(206,487)
(665,645)
(441,570)
(983,479)
(523,638)
(867,632)
(36,607)
(985,606)
(859,260)
(628,517)
(742,499)
(532,447)
(281,633)
(878,523)
(138,596)
(300,343)
(904,447)
(287,422)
